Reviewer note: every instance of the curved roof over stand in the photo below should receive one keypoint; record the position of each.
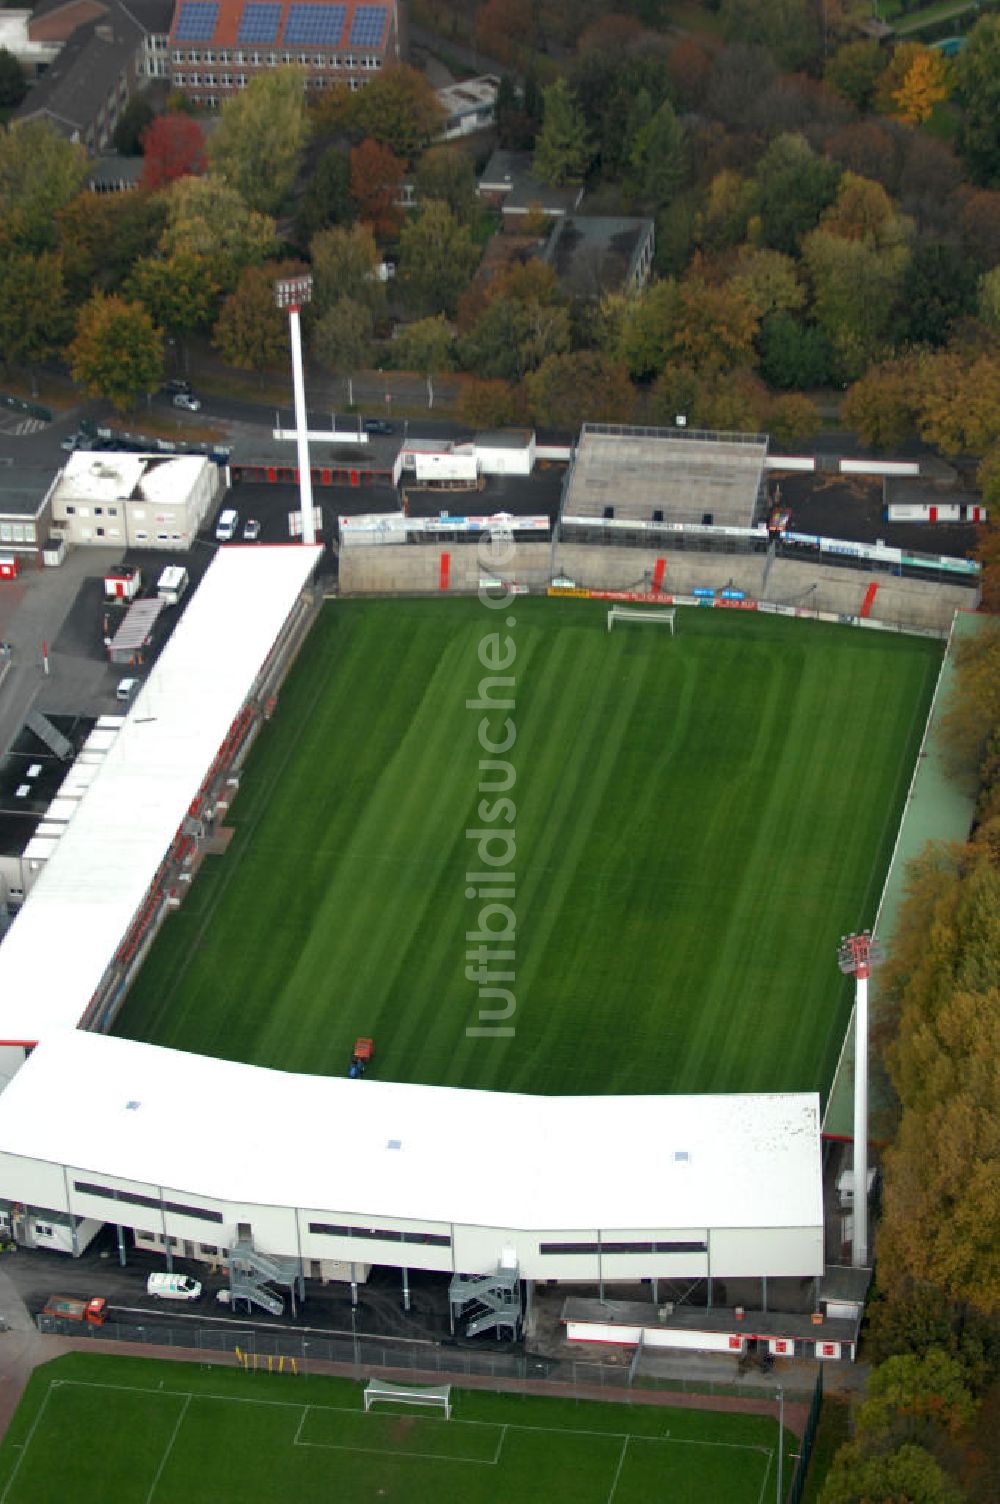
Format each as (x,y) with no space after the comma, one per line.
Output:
(64,938)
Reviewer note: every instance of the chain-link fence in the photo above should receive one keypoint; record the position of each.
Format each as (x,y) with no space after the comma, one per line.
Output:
(808,1437)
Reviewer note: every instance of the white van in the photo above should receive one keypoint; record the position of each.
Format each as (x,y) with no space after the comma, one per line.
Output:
(225,528)
(173,1287)
(172,584)
(126,689)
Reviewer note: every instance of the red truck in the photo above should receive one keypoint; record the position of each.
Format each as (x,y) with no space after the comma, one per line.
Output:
(93,1311)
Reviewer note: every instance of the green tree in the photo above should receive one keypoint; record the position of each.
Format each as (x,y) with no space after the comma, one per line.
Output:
(939,288)
(13,84)
(258,143)
(427,347)
(856,289)
(786,27)
(909,1474)
(101,235)
(117,352)
(659,159)
(326,200)
(524,322)
(710,398)
(180,292)
(251,331)
(437,256)
(341,340)
(133,120)
(585,384)
(562,149)
(794,186)
(40,172)
(399,109)
(726,211)
(345,264)
(978,80)
(207,217)
(794,354)
(988,299)
(33,321)
(910,1396)
(446,174)
(854,71)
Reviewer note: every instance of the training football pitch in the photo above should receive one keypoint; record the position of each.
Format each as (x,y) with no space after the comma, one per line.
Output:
(97,1429)
(698,820)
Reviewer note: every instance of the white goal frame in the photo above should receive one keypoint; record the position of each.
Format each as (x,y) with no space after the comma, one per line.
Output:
(636,613)
(379,1391)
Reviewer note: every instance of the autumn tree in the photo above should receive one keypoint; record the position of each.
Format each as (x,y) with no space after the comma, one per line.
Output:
(101,235)
(207,217)
(569,389)
(117,352)
(791,418)
(260,137)
(938,290)
(251,332)
(505,27)
(427,347)
(33,316)
(979,225)
(710,398)
(173,146)
(376,180)
(490,404)
(340,339)
(959,400)
(727,208)
(924,85)
(768,281)
(882,405)
(40,172)
(562,148)
(857,261)
(787,28)
(437,256)
(907,1473)
(399,109)
(345,264)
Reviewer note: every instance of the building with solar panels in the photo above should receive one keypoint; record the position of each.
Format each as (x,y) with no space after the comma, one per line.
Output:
(217,46)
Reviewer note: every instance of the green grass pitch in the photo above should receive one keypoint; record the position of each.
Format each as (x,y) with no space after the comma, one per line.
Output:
(98,1429)
(698,821)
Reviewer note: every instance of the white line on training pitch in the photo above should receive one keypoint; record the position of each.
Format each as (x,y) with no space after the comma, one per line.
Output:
(170,1447)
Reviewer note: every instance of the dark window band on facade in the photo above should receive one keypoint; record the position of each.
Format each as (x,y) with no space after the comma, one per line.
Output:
(380,1234)
(133,1198)
(619,1247)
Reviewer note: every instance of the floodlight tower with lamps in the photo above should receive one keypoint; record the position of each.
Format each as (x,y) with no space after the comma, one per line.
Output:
(291,293)
(856,957)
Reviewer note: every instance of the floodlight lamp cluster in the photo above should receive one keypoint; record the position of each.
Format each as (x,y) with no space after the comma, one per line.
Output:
(857,954)
(292,292)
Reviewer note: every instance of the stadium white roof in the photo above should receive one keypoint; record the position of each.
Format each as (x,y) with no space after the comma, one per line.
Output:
(109,1106)
(64,938)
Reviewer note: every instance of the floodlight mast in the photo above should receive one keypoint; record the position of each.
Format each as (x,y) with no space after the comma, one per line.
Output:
(856,957)
(291,293)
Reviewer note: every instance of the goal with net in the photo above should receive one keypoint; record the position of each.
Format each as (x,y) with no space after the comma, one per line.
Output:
(380,1392)
(636,613)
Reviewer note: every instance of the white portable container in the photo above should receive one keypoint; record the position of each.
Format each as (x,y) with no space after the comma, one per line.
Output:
(172,584)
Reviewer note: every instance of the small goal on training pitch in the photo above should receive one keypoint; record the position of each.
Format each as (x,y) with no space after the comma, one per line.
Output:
(658,614)
(379,1392)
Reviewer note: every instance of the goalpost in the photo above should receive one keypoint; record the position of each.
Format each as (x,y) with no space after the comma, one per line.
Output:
(636,613)
(380,1391)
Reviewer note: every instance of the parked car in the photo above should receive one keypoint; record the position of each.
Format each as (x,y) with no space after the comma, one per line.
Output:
(377,426)
(176,384)
(188,401)
(71,443)
(251,530)
(126,689)
(225,527)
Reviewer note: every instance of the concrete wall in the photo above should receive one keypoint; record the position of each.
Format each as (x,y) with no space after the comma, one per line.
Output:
(414,569)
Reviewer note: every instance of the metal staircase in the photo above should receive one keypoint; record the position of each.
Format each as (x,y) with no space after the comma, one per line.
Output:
(493,1301)
(251,1272)
(49,734)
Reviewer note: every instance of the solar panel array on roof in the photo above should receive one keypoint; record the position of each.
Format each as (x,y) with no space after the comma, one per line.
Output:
(197,21)
(315,25)
(259,22)
(368,25)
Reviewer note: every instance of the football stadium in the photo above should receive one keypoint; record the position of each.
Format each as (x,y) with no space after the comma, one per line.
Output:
(475,932)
